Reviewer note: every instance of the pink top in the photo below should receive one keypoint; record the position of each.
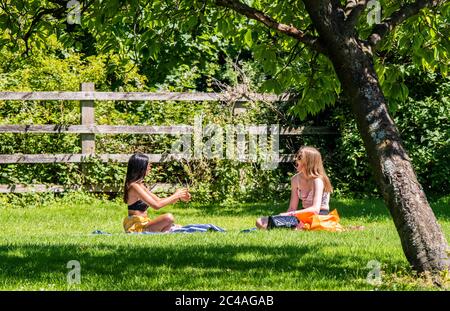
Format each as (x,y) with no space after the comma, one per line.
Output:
(307,199)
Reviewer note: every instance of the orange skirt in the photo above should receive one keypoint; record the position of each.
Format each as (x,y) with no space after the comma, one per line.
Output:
(316,222)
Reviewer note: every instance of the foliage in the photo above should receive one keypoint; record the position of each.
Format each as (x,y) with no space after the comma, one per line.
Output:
(194,45)
(423,122)
(214,180)
(425,126)
(350,163)
(161,37)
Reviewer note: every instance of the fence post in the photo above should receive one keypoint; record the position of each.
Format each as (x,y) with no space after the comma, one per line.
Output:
(87,118)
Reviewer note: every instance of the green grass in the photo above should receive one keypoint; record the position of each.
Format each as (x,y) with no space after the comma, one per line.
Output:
(37,242)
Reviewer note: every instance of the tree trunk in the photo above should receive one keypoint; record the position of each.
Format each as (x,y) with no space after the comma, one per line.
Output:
(421,237)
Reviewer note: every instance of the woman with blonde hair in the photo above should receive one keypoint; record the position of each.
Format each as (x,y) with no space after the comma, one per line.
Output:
(311,185)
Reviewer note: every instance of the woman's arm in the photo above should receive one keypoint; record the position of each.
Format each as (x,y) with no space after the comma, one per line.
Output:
(184,198)
(154,196)
(153,200)
(293,202)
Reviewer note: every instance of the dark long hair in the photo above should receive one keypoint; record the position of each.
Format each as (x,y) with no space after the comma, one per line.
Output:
(136,171)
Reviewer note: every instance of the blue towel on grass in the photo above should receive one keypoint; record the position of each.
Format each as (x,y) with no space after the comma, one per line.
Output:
(198,228)
(184,229)
(188,229)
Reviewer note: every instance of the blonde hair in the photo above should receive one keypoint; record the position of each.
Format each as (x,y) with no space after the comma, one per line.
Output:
(313,165)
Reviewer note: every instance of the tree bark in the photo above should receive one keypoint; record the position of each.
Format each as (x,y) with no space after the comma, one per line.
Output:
(422,239)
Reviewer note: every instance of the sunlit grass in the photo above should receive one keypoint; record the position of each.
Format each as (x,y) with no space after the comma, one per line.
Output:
(37,242)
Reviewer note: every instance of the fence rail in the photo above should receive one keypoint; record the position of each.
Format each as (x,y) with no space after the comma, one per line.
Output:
(20,188)
(140,96)
(85,158)
(88,129)
(136,129)
(95,129)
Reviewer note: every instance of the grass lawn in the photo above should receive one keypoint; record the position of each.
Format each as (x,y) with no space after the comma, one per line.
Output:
(36,243)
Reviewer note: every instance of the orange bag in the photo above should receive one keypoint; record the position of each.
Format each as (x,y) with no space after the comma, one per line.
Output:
(328,222)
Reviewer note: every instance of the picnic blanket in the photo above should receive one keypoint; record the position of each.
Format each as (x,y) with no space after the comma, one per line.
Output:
(314,222)
(197,228)
(185,229)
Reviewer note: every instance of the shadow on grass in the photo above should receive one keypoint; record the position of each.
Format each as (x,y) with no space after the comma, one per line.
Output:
(375,209)
(188,266)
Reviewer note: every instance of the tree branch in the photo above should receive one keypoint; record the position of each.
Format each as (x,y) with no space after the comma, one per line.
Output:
(57,12)
(36,19)
(259,16)
(379,31)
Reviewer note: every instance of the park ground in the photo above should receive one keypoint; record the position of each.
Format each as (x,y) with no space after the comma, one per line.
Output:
(37,242)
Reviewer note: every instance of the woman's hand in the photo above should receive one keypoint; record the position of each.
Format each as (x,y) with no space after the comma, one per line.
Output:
(182,194)
(186,197)
(288,214)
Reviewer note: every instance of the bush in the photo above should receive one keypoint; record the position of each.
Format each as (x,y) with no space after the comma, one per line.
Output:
(423,121)
(424,126)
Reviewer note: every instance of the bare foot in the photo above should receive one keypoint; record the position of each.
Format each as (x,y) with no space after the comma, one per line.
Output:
(300,226)
(174,227)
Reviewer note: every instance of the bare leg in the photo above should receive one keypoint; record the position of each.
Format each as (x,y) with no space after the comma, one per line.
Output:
(161,223)
(261,223)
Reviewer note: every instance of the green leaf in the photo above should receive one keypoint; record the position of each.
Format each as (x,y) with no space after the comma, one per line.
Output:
(404,41)
(393,106)
(248,38)
(425,64)
(395,91)
(432,33)
(443,69)
(271,86)
(405,91)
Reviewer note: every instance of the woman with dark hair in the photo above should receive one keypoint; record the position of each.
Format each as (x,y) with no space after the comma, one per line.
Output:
(138,198)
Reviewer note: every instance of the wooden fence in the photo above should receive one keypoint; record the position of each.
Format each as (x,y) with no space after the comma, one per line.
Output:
(88,129)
